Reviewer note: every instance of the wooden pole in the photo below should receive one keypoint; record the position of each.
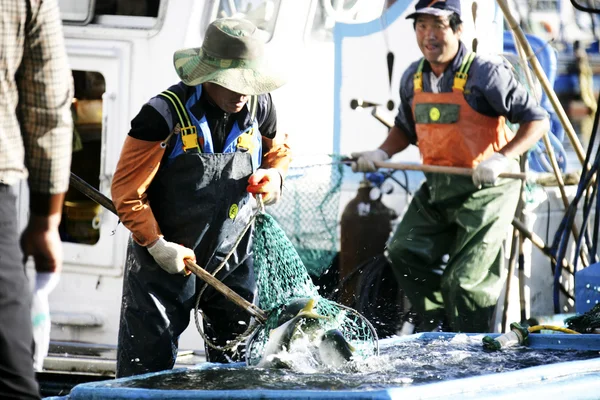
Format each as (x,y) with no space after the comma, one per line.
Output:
(516,249)
(200,272)
(431,168)
(537,68)
(550,149)
(539,243)
(443,169)
(512,261)
(225,290)
(546,140)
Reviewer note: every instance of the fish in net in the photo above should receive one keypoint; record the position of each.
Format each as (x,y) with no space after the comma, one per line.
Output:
(282,278)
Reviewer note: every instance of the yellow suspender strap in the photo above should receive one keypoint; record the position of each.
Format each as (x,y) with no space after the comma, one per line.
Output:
(460,78)
(418,77)
(189,133)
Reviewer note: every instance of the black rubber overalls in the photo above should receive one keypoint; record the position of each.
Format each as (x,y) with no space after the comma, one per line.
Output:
(200,201)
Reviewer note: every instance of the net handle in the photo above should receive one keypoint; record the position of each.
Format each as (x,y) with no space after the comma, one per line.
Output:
(225,291)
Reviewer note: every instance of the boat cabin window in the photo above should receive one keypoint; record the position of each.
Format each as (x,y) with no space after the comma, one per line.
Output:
(135,8)
(120,13)
(263,13)
(81,216)
(326,13)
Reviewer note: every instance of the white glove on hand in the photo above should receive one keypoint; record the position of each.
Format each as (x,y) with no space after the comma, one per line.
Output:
(170,256)
(45,282)
(486,173)
(267,182)
(365,160)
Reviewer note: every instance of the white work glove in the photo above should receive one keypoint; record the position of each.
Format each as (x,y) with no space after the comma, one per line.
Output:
(267,182)
(170,256)
(486,173)
(45,282)
(365,160)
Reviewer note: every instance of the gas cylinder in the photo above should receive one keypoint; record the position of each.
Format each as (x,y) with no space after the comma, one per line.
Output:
(365,227)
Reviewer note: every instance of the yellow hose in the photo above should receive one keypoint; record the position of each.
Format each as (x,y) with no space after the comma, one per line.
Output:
(537,328)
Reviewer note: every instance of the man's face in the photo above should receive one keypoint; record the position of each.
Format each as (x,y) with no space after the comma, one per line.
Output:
(436,39)
(227,100)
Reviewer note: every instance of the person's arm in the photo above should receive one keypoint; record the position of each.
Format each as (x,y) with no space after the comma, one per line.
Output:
(403,133)
(509,98)
(41,238)
(137,166)
(396,141)
(268,179)
(276,149)
(277,153)
(525,109)
(45,94)
(527,135)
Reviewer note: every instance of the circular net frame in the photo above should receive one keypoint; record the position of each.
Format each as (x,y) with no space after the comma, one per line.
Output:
(281,278)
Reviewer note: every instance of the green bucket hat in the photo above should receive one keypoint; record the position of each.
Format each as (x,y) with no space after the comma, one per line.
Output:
(231,56)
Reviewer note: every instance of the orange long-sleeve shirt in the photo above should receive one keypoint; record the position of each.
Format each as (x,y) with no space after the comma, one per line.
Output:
(137,167)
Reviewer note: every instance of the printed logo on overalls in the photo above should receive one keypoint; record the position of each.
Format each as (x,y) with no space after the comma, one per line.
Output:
(233,211)
(436,113)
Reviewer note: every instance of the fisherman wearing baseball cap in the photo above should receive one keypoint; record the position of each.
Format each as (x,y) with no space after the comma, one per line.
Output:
(184,186)
(438,8)
(454,106)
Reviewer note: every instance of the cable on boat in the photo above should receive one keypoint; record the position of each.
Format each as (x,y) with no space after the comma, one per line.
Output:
(579,7)
(587,190)
(537,328)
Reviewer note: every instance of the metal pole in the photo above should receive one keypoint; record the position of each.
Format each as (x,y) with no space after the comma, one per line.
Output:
(92,193)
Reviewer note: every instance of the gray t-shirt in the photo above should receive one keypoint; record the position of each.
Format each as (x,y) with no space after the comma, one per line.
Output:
(492,90)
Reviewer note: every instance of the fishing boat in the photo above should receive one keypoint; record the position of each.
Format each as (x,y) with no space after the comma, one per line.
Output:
(343,58)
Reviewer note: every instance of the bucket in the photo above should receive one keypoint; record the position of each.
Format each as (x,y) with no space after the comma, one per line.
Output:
(81,221)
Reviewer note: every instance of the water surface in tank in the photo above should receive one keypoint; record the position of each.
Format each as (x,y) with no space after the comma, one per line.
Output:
(401,363)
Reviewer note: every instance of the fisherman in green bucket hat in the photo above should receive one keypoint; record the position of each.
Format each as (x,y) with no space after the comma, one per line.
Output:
(232,56)
(183,186)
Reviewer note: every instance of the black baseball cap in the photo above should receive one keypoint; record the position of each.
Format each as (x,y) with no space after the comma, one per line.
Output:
(439,8)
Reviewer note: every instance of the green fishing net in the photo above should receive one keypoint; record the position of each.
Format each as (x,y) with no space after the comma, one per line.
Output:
(585,323)
(308,211)
(521,75)
(282,277)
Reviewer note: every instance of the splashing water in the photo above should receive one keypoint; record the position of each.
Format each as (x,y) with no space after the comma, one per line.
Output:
(400,363)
